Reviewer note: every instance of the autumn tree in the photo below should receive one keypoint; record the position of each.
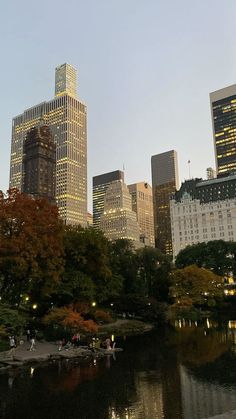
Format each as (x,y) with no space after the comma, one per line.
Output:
(195,286)
(71,319)
(31,247)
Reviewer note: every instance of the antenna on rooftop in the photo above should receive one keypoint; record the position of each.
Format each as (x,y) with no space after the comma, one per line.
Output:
(189,173)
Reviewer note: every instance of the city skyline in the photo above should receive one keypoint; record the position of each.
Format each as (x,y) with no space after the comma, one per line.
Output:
(131,73)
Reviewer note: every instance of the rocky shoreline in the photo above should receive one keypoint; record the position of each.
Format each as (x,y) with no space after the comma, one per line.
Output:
(48,351)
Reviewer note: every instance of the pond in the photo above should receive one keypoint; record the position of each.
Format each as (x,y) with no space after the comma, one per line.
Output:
(187,372)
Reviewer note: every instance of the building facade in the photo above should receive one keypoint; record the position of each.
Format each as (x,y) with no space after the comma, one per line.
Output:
(39,163)
(193,221)
(210,173)
(223,111)
(118,221)
(220,188)
(66,117)
(100,185)
(165,181)
(142,204)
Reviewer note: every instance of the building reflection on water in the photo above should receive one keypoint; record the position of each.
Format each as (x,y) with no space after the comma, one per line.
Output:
(189,373)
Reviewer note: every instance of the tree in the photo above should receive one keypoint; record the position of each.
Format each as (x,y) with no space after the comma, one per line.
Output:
(217,255)
(193,286)
(124,264)
(31,247)
(70,319)
(154,269)
(87,253)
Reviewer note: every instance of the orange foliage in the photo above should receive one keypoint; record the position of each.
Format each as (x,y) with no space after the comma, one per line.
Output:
(71,319)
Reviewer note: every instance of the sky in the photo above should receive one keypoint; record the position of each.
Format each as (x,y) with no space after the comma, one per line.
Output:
(145,71)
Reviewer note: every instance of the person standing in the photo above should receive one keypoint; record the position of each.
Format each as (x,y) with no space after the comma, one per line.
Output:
(12,343)
(28,335)
(32,341)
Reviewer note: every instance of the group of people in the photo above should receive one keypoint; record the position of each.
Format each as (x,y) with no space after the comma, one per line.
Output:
(94,343)
(30,336)
(74,342)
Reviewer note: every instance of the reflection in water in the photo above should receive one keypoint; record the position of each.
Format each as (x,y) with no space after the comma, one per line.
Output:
(201,399)
(186,373)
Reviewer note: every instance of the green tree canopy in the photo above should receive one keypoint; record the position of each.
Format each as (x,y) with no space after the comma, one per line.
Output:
(218,255)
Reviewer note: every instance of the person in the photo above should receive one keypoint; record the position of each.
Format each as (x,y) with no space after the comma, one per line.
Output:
(28,335)
(12,343)
(76,340)
(62,344)
(108,344)
(32,341)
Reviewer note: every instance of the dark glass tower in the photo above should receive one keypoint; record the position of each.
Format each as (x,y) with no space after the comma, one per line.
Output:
(223,109)
(39,163)
(165,181)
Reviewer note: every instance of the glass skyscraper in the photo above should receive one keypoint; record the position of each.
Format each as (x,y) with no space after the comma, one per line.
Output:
(165,181)
(66,117)
(223,110)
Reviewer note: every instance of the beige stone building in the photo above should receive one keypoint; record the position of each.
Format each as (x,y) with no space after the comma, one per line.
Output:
(118,220)
(142,204)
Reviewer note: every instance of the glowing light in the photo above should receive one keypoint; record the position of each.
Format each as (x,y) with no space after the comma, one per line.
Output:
(34,306)
(94,304)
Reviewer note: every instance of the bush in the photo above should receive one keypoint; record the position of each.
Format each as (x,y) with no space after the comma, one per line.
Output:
(12,320)
(102,316)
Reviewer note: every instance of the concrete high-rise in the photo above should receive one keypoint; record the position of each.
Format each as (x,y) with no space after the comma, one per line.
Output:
(66,117)
(223,111)
(142,204)
(165,181)
(118,221)
(100,185)
(39,163)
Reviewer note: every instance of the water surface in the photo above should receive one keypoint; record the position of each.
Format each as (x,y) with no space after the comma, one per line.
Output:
(186,373)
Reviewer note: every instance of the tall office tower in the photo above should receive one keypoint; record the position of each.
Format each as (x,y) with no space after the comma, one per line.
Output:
(165,181)
(100,185)
(66,80)
(142,204)
(39,163)
(223,111)
(66,117)
(118,221)
(210,173)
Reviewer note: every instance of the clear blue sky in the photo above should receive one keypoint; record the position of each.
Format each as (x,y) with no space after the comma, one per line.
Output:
(145,72)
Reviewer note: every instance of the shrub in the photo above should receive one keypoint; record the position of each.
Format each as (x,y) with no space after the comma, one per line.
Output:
(102,316)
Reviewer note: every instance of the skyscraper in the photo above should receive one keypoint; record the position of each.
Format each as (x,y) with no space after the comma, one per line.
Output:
(66,117)
(142,204)
(39,163)
(100,185)
(165,181)
(118,221)
(66,80)
(223,110)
